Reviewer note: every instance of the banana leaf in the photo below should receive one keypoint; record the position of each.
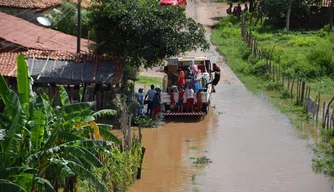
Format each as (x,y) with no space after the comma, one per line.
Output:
(38,129)
(6,185)
(46,183)
(65,100)
(23,81)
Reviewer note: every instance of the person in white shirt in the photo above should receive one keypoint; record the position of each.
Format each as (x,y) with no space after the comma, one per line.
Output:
(150,94)
(190,98)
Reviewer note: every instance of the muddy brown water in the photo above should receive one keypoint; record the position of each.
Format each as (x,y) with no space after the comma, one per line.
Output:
(251,144)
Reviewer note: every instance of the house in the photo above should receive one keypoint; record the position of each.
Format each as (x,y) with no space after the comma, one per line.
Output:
(53,61)
(31,9)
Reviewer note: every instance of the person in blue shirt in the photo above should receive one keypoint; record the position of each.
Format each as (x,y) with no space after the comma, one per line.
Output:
(149,95)
(140,100)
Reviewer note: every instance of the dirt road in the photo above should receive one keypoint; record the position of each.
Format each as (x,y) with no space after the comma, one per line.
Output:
(252,145)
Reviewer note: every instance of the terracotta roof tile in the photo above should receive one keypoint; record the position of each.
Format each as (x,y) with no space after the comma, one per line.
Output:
(39,4)
(29,35)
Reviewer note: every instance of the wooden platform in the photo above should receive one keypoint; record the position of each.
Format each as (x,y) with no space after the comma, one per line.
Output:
(184,114)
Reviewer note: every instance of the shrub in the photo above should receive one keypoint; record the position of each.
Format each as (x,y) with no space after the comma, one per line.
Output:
(245,52)
(273,85)
(302,41)
(322,59)
(260,68)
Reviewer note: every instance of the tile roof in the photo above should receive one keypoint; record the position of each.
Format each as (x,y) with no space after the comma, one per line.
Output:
(39,4)
(26,34)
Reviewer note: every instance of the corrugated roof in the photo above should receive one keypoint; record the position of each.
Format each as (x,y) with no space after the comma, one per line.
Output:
(39,4)
(29,35)
(58,66)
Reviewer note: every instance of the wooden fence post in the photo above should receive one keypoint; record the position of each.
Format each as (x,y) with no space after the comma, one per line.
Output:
(323,115)
(293,82)
(316,120)
(303,93)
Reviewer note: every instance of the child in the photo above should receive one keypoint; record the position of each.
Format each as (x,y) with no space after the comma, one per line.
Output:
(172,100)
(180,102)
(199,100)
(190,98)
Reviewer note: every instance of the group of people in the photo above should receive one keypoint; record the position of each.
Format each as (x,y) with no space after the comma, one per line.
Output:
(236,11)
(185,96)
(188,93)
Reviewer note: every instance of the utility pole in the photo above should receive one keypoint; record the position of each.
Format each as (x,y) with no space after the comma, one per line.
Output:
(79,26)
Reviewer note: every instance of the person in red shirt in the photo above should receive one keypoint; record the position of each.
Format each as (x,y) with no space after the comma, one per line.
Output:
(180,102)
(180,79)
(172,100)
(199,100)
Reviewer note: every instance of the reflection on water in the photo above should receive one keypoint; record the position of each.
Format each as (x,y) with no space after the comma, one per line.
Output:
(167,158)
(255,149)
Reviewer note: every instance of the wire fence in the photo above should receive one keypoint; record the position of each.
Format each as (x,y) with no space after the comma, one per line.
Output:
(294,87)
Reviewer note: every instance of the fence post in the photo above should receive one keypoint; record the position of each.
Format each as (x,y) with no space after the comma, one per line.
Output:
(293,82)
(316,120)
(323,115)
(303,93)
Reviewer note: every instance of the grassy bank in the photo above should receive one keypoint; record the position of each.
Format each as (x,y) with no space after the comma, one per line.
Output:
(307,54)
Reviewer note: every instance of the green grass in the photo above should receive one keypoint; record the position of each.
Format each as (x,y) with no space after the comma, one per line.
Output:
(293,50)
(193,148)
(149,80)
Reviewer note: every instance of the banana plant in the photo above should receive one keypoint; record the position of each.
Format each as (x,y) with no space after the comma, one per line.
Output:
(42,147)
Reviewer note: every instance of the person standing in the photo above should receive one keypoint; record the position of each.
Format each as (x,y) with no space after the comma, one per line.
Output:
(199,100)
(149,96)
(140,100)
(229,9)
(180,101)
(245,8)
(216,79)
(190,98)
(181,81)
(172,100)
(156,105)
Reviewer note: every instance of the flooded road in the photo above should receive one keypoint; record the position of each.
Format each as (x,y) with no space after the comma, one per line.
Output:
(251,144)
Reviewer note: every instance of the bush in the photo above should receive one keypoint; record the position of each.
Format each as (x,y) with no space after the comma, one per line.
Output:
(245,52)
(322,59)
(273,85)
(260,68)
(302,41)
(119,171)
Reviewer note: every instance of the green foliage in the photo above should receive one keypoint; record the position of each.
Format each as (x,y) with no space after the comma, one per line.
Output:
(273,85)
(143,32)
(120,169)
(47,140)
(322,59)
(149,80)
(302,41)
(65,19)
(146,122)
(201,160)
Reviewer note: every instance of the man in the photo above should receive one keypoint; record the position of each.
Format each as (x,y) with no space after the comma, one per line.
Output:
(150,94)
(140,100)
(214,82)
(181,81)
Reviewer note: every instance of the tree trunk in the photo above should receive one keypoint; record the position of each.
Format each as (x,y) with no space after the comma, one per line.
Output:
(331,15)
(288,15)
(251,4)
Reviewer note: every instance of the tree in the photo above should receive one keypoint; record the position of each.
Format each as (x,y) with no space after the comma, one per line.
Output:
(65,19)
(277,10)
(44,148)
(143,32)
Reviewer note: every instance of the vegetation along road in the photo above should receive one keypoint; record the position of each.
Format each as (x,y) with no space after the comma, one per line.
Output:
(252,145)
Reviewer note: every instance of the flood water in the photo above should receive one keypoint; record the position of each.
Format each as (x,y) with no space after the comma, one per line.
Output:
(251,144)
